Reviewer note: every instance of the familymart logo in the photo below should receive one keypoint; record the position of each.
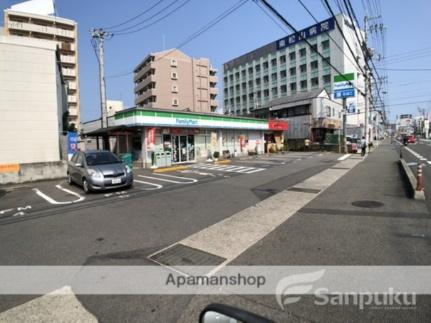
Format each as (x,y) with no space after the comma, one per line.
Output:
(290,289)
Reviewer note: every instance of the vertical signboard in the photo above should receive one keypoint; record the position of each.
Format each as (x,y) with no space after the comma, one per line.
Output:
(72,143)
(344,86)
(151,137)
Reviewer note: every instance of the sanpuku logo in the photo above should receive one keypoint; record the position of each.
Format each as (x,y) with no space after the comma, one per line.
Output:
(295,285)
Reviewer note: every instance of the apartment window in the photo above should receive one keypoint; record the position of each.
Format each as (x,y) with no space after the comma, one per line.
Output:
(315,81)
(274,62)
(259,94)
(314,65)
(174,75)
(225,92)
(265,65)
(244,98)
(302,52)
(325,44)
(274,77)
(292,56)
(225,79)
(293,87)
(325,63)
(236,76)
(174,88)
(303,68)
(257,68)
(292,71)
(251,96)
(244,85)
(314,48)
(250,83)
(283,88)
(250,70)
(326,78)
(175,102)
(258,81)
(174,62)
(282,59)
(265,93)
(243,73)
(231,77)
(237,87)
(266,79)
(303,84)
(274,91)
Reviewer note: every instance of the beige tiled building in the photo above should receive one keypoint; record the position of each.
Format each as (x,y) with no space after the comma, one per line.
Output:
(172,80)
(31,19)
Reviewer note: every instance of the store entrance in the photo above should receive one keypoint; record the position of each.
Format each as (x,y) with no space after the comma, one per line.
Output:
(183,147)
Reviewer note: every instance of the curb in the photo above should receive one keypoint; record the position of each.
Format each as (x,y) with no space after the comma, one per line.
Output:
(417,195)
(170,169)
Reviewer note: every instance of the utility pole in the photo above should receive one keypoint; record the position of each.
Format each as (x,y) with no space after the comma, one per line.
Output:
(344,125)
(99,35)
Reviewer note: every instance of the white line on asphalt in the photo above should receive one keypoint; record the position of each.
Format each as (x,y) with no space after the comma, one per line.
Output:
(255,170)
(245,170)
(158,186)
(429,162)
(344,157)
(193,180)
(5,211)
(167,180)
(52,201)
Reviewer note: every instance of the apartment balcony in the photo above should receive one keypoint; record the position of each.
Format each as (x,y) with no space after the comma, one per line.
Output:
(142,72)
(47,30)
(292,63)
(213,90)
(68,72)
(213,79)
(73,112)
(142,84)
(303,76)
(67,59)
(71,99)
(71,85)
(314,72)
(283,80)
(283,66)
(293,78)
(66,46)
(141,98)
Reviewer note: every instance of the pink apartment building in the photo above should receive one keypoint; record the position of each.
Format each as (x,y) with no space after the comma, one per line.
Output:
(172,80)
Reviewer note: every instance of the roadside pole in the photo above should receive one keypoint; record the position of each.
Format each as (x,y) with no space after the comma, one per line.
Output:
(344,124)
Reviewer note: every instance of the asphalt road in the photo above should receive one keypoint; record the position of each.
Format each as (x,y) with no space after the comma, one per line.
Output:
(124,227)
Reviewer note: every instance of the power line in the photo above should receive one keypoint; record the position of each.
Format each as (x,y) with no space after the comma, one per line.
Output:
(135,17)
(405,69)
(197,33)
(342,34)
(287,23)
(334,42)
(125,32)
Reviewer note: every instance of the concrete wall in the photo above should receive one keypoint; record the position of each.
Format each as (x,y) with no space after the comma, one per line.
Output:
(29,123)
(35,172)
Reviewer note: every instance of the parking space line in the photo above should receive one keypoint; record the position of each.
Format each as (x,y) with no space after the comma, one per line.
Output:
(157,186)
(52,201)
(169,180)
(192,180)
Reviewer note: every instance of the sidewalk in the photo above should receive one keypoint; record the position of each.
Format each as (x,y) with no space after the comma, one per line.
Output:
(390,230)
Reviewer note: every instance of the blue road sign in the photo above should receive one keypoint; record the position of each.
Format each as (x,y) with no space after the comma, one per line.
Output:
(344,93)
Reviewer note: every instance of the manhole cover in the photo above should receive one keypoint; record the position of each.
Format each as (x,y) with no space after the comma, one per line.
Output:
(181,255)
(367,204)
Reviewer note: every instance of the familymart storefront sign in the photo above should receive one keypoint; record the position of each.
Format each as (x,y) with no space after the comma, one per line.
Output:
(187,120)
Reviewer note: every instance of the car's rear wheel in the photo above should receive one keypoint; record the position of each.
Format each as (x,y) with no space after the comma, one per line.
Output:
(69,179)
(85,186)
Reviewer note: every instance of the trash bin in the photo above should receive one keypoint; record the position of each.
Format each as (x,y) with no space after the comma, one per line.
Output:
(127,159)
(160,159)
(168,158)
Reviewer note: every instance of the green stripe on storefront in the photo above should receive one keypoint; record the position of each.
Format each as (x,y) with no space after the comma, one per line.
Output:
(162,114)
(344,77)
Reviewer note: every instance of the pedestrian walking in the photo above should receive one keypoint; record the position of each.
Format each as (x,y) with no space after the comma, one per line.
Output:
(363,146)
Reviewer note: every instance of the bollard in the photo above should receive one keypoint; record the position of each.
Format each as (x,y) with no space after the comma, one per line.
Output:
(420,183)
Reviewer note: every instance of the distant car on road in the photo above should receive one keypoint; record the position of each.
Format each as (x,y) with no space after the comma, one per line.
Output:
(98,170)
(352,145)
(411,139)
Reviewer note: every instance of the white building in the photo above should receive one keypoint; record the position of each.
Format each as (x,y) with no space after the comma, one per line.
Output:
(288,66)
(32,104)
(35,19)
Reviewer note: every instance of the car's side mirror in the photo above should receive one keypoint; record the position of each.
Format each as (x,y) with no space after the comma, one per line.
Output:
(220,313)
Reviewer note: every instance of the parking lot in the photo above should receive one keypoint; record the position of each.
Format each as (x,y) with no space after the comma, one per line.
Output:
(25,200)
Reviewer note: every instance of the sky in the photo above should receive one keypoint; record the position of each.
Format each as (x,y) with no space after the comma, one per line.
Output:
(246,29)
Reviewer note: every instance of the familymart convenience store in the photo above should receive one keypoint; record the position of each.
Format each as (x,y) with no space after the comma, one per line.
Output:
(187,136)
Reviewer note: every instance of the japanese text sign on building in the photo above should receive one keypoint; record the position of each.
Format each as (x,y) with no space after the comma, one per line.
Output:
(344,86)
(312,31)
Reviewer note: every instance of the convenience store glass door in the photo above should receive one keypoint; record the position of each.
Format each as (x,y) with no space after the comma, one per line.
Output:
(183,148)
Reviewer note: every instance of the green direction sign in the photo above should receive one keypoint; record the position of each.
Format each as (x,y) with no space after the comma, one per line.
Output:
(343,85)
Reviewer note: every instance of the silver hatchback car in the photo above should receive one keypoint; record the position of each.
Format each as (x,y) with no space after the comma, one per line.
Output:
(98,170)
